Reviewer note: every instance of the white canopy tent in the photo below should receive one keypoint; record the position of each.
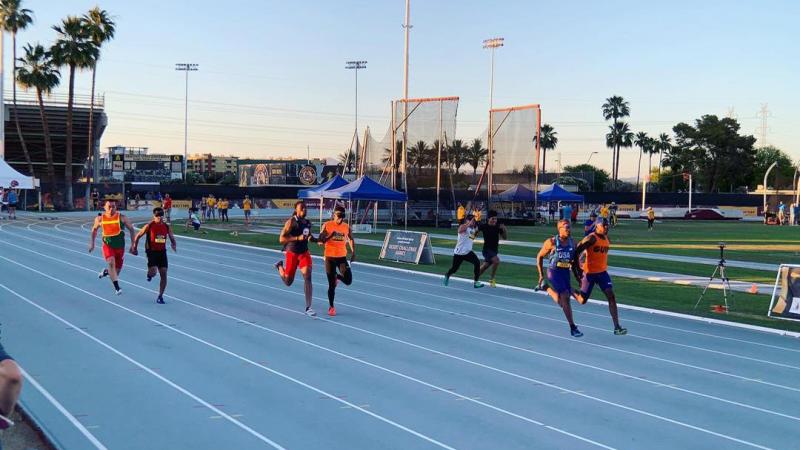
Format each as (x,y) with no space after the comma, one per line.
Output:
(9,177)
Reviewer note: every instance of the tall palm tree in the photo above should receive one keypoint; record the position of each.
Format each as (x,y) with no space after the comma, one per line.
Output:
(100,29)
(615,108)
(619,135)
(456,154)
(549,138)
(475,155)
(347,160)
(664,146)
(418,156)
(74,49)
(13,18)
(643,141)
(39,72)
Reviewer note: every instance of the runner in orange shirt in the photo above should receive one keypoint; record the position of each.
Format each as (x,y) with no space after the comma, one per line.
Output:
(335,235)
(595,269)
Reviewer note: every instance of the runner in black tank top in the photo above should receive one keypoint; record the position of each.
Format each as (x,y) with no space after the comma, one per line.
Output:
(295,236)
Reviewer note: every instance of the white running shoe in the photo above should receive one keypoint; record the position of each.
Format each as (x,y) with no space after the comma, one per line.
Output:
(103,273)
(311,313)
(118,291)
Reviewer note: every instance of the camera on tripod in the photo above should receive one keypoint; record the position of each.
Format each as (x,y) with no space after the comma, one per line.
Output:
(721,246)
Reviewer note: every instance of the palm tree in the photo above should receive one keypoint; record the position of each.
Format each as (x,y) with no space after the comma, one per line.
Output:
(664,146)
(475,155)
(347,160)
(100,29)
(615,108)
(643,141)
(418,155)
(456,154)
(619,135)
(39,72)
(549,140)
(73,48)
(14,18)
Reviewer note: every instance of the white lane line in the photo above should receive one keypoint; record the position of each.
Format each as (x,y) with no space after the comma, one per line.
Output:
(84,431)
(230,353)
(359,360)
(378,268)
(488,367)
(570,340)
(632,335)
(169,382)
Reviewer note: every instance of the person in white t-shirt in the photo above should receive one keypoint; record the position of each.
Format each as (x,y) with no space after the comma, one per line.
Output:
(463,251)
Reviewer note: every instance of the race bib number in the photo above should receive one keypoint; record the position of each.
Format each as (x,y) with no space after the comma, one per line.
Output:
(306,231)
(161,239)
(563,265)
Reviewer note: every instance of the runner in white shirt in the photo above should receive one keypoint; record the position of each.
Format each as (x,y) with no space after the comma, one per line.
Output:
(463,251)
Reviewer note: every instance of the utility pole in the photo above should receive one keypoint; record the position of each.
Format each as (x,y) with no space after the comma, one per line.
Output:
(355,65)
(407,29)
(186,67)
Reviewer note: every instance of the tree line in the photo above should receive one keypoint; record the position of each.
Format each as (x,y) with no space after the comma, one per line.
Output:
(77,47)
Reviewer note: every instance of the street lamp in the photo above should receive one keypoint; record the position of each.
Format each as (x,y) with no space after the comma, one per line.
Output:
(355,65)
(491,44)
(186,67)
(590,157)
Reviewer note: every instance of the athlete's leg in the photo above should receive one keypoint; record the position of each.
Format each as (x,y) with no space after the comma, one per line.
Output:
(287,271)
(162,272)
(457,260)
(345,274)
(563,301)
(10,385)
(476,264)
(308,288)
(495,265)
(330,273)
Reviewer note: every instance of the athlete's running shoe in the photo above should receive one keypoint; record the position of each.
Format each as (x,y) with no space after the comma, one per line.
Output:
(446,280)
(310,312)
(160,300)
(619,331)
(118,291)
(149,278)
(579,296)
(331,311)
(103,273)
(493,283)
(478,284)
(575,332)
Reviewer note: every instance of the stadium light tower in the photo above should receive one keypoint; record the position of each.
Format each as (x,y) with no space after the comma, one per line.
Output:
(355,66)
(491,44)
(186,67)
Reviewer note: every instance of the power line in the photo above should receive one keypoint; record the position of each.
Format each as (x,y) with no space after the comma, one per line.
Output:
(763,114)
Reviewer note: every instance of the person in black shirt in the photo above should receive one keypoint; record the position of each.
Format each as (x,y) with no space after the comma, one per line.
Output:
(492,232)
(295,236)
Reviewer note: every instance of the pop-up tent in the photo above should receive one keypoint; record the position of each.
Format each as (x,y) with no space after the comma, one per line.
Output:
(10,178)
(517,193)
(365,188)
(319,191)
(558,194)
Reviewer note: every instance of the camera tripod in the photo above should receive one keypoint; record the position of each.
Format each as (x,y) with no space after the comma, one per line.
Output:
(726,282)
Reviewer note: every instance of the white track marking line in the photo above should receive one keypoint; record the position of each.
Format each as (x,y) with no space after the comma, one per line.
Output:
(233,354)
(578,342)
(512,374)
(632,335)
(85,432)
(131,360)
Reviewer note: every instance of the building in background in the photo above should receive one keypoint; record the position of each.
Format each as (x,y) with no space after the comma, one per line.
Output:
(211,166)
(136,164)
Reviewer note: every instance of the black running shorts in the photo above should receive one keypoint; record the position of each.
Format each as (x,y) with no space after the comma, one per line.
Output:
(157,258)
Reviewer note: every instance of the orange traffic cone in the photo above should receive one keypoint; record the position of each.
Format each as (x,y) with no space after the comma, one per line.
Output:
(753,289)
(718,308)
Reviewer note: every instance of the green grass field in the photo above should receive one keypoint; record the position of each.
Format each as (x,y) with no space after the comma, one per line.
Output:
(748,308)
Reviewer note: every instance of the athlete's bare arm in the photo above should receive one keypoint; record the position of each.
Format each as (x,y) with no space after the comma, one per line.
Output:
(172,240)
(585,243)
(127,223)
(503,232)
(135,244)
(284,237)
(546,249)
(97,224)
(352,243)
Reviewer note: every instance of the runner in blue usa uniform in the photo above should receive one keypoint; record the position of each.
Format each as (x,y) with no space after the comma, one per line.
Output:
(560,251)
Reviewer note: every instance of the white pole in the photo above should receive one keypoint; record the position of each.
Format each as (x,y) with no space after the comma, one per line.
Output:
(186,129)
(439,164)
(644,193)
(2,103)
(690,193)
(766,174)
(407,28)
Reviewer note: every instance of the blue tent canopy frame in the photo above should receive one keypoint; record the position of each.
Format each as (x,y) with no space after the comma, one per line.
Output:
(517,193)
(317,191)
(558,194)
(366,188)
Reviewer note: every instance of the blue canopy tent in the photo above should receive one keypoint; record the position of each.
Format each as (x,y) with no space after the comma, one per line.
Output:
(517,193)
(365,188)
(558,194)
(318,191)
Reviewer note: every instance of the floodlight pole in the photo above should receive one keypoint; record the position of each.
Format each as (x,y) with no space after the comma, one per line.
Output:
(186,67)
(355,65)
(766,174)
(491,44)
(407,28)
